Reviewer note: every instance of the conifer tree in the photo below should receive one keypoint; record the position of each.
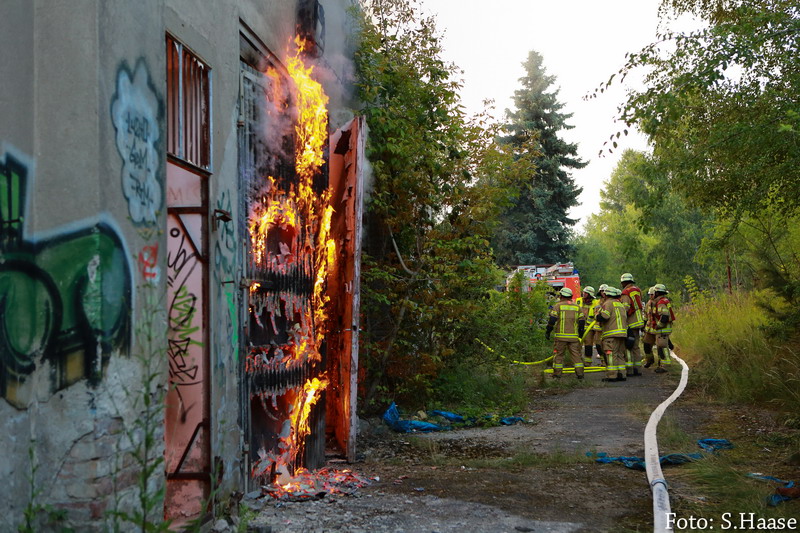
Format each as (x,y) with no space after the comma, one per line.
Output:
(536,228)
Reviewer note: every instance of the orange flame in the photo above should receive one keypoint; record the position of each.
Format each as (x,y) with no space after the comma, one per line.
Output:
(312,127)
(308,215)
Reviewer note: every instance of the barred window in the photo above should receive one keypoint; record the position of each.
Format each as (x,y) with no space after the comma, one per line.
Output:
(188,106)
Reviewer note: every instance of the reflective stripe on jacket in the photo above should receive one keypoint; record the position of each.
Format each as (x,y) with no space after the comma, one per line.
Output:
(632,296)
(615,312)
(664,308)
(567,316)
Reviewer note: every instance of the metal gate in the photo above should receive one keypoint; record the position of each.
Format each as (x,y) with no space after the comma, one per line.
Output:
(280,343)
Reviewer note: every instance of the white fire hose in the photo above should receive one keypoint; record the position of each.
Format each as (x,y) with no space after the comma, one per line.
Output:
(658,485)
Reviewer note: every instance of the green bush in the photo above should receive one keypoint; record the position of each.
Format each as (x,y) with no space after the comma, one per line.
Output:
(508,327)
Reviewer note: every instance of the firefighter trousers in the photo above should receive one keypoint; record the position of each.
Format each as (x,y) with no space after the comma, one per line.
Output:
(559,349)
(634,355)
(614,348)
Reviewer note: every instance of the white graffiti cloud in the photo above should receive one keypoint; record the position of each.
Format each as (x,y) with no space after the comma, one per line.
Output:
(135,115)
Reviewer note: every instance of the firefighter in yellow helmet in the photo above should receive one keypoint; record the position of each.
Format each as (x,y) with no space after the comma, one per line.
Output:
(612,314)
(588,304)
(568,321)
(632,297)
(598,326)
(649,338)
(664,316)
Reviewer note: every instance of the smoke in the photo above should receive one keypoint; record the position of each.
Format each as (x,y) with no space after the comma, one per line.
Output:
(275,118)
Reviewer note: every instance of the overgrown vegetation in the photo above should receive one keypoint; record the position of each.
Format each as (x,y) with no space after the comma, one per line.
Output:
(730,342)
(144,432)
(440,184)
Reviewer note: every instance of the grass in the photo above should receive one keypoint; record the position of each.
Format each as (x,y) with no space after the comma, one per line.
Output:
(525,459)
(726,340)
(672,438)
(719,483)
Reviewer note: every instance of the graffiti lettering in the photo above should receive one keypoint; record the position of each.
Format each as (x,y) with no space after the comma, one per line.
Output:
(136,111)
(226,337)
(181,315)
(185,352)
(148,263)
(181,372)
(64,298)
(138,126)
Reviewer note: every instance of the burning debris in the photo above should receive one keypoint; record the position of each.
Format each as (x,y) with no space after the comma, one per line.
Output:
(306,485)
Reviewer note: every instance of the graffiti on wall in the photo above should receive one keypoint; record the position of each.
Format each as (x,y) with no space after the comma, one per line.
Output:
(226,336)
(184,278)
(135,111)
(64,298)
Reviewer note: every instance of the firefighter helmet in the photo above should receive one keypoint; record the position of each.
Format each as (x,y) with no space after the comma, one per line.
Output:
(660,287)
(589,290)
(602,287)
(613,291)
(651,291)
(565,292)
(627,276)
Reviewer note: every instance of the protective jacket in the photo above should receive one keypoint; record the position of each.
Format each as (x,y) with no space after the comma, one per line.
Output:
(632,296)
(614,318)
(566,319)
(663,316)
(650,316)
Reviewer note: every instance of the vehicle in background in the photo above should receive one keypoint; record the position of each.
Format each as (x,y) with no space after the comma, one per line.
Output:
(555,275)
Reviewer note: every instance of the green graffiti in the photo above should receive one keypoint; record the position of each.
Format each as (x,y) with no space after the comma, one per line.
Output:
(234,325)
(65,299)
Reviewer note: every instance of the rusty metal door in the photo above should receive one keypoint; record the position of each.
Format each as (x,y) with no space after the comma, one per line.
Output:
(187,439)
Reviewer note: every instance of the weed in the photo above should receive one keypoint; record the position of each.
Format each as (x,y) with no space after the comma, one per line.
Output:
(673,439)
(143,433)
(37,514)
(246,515)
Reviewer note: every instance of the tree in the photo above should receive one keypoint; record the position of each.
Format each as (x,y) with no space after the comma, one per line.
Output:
(720,104)
(439,183)
(536,228)
(645,229)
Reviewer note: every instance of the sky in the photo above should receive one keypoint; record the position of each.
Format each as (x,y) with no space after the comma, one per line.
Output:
(582,43)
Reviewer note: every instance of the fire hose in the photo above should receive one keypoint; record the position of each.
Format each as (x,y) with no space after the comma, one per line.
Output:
(512,360)
(655,477)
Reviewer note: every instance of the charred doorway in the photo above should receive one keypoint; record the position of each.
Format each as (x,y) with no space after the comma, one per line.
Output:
(293,260)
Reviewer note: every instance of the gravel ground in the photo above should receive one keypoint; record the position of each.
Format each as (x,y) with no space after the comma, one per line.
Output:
(532,476)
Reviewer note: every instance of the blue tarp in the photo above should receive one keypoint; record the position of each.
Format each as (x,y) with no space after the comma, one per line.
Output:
(637,463)
(392,419)
(775,499)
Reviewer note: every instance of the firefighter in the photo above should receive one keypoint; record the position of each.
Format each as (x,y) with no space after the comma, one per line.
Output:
(649,338)
(613,316)
(632,297)
(598,327)
(568,320)
(663,316)
(588,303)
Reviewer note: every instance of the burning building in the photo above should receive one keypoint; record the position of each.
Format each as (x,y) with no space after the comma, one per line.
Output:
(180,219)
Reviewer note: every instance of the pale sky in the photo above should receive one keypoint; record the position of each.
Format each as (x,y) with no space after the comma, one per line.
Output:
(582,42)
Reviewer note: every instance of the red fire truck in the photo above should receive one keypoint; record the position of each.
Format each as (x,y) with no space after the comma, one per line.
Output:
(557,276)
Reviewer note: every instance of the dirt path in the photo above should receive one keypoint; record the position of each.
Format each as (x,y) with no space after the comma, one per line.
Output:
(528,477)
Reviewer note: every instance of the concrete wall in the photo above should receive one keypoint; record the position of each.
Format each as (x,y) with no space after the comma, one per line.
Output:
(81,275)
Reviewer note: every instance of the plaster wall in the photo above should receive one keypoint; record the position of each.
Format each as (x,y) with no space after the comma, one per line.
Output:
(83,90)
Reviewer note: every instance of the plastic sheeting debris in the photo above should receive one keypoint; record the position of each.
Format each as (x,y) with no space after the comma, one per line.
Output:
(780,496)
(392,419)
(637,463)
